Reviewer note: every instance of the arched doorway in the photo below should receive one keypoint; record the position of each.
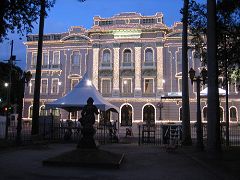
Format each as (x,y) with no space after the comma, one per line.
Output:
(221,114)
(149,114)
(233,114)
(126,115)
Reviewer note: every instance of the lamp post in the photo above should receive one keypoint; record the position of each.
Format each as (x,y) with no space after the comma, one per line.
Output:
(24,80)
(198,79)
(6,85)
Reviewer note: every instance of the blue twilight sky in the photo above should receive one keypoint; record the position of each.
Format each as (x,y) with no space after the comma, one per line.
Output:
(68,13)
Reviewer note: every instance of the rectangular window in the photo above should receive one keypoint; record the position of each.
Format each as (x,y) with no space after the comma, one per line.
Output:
(34,59)
(106,86)
(44,86)
(127,86)
(76,59)
(31,86)
(45,60)
(179,85)
(55,86)
(56,59)
(148,86)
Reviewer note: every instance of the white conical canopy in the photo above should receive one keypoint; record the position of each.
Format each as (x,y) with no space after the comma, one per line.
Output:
(78,96)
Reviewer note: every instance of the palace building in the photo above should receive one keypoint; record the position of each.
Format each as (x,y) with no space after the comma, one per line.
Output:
(134,61)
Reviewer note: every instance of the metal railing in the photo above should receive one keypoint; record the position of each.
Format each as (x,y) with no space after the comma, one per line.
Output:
(161,134)
(60,132)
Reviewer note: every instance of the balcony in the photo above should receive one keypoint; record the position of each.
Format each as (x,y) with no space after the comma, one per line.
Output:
(149,65)
(105,65)
(33,66)
(56,66)
(127,65)
(45,66)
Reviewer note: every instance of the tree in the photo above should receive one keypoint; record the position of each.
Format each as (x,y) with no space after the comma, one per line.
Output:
(35,117)
(19,16)
(186,140)
(228,33)
(228,41)
(15,79)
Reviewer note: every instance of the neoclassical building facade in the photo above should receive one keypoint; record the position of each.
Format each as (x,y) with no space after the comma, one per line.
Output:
(134,61)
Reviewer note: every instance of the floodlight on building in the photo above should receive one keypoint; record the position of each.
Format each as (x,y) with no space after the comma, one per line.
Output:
(59,83)
(125,82)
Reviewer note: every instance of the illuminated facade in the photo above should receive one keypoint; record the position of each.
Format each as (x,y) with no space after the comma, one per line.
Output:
(134,61)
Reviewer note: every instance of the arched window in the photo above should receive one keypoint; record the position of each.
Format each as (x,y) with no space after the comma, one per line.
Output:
(30,112)
(205,114)
(148,55)
(233,114)
(127,56)
(43,111)
(106,56)
(180,114)
(149,114)
(126,115)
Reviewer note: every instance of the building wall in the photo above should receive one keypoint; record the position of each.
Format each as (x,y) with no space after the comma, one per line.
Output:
(116,34)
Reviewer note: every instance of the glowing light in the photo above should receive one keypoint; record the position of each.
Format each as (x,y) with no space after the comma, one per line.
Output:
(125,82)
(163,81)
(59,83)
(6,84)
(89,83)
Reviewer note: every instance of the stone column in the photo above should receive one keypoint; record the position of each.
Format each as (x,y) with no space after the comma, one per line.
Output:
(115,92)
(159,70)
(137,90)
(95,65)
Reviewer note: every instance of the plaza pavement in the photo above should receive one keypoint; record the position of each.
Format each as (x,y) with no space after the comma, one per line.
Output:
(144,162)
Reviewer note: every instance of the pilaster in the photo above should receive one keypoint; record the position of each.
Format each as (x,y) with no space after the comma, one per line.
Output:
(159,70)
(116,91)
(137,90)
(95,67)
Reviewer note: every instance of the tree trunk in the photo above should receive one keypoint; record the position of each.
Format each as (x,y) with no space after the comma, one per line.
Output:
(213,116)
(186,138)
(35,117)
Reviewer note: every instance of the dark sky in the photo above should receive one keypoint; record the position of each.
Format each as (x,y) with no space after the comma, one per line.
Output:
(68,13)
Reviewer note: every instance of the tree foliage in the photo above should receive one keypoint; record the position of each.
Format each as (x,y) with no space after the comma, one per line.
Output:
(228,33)
(16,75)
(19,15)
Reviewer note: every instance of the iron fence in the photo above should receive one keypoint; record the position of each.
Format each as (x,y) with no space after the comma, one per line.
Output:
(170,133)
(60,131)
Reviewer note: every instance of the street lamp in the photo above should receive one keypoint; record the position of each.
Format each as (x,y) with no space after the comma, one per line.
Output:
(198,79)
(23,80)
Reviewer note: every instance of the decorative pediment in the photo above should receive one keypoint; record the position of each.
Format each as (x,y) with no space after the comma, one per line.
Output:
(76,37)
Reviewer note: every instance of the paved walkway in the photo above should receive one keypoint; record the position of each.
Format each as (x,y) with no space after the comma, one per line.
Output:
(141,162)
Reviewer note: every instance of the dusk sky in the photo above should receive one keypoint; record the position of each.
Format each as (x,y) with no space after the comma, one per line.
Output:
(68,13)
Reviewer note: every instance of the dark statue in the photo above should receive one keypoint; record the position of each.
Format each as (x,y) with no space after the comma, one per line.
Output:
(87,121)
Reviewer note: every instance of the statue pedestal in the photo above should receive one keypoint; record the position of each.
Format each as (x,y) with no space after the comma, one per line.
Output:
(87,140)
